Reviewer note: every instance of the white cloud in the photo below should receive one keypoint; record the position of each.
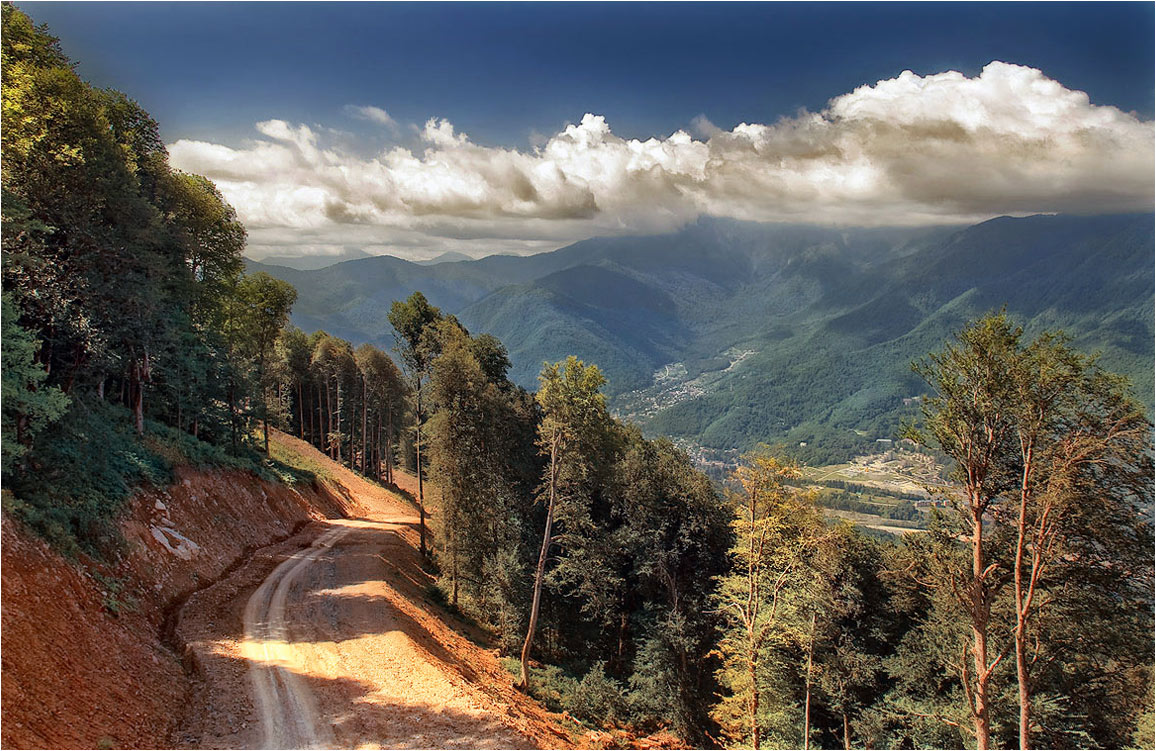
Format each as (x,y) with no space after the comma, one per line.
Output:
(909,150)
(372,114)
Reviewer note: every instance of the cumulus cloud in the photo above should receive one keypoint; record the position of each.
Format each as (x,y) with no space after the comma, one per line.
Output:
(909,150)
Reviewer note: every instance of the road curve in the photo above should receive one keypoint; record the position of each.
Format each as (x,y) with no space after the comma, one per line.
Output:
(286,706)
(331,639)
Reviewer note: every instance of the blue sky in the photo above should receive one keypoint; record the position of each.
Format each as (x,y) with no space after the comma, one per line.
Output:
(512,77)
(503,71)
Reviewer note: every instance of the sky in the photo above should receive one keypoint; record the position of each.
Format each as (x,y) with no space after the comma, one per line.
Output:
(414,129)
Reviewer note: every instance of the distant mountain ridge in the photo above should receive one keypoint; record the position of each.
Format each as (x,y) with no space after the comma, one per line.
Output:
(318,262)
(450,256)
(824,322)
(314,262)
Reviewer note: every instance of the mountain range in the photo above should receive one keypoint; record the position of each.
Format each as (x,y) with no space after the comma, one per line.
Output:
(728,333)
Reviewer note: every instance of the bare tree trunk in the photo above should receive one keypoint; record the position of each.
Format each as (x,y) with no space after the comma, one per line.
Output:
(524,682)
(264,397)
(752,670)
(1021,610)
(140,371)
(807,700)
(623,621)
(364,416)
(328,420)
(979,621)
(420,490)
(137,399)
(300,411)
(337,443)
(389,447)
(846,733)
(1024,691)
(352,438)
(233,414)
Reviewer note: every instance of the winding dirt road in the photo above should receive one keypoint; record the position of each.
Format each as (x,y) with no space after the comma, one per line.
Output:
(329,639)
(288,710)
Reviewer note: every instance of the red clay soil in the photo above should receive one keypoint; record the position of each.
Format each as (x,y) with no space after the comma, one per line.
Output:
(87,663)
(357,655)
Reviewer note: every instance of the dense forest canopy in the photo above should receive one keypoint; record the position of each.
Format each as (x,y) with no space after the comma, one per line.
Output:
(622,585)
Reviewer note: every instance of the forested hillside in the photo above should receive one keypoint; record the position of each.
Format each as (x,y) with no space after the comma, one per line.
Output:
(123,298)
(133,341)
(826,321)
(809,632)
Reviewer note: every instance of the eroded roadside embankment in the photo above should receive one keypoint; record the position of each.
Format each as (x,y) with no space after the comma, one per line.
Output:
(87,662)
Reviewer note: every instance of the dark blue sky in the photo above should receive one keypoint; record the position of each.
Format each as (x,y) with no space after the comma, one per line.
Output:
(502,71)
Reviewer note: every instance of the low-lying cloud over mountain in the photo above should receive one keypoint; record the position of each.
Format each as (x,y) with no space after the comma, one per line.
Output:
(906,151)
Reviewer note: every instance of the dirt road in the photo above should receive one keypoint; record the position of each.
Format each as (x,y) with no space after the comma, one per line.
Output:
(330,640)
(288,710)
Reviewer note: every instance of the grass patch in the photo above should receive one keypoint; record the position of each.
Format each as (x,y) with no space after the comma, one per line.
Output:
(78,476)
(115,599)
(300,465)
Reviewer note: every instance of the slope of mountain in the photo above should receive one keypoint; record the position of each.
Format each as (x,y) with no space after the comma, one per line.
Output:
(450,256)
(851,370)
(727,333)
(352,299)
(312,263)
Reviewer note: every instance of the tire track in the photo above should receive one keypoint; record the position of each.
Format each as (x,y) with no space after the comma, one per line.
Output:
(288,710)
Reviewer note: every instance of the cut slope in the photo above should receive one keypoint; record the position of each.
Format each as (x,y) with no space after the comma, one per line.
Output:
(86,663)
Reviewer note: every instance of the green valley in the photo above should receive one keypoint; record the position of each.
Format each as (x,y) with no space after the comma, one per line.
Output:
(727,334)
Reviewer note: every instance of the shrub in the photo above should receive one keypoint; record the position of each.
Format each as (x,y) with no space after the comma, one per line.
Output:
(598,698)
(79,474)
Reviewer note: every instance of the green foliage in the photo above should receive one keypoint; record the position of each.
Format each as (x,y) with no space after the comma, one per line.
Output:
(595,699)
(598,698)
(636,536)
(413,320)
(29,405)
(114,599)
(764,600)
(481,453)
(71,493)
(574,434)
(1054,460)
(847,501)
(122,287)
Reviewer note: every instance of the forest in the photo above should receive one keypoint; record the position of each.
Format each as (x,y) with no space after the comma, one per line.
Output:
(621,585)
